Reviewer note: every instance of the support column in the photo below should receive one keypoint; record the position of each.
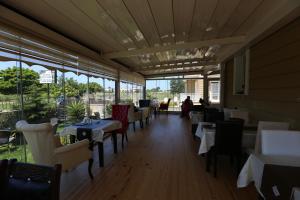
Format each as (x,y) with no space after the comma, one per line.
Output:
(117,89)
(205,87)
(222,86)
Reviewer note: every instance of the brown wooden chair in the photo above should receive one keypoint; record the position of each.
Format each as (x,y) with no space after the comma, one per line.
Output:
(164,106)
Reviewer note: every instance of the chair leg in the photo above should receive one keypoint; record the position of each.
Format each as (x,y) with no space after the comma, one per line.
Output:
(215,164)
(91,161)
(126,137)
(208,158)
(133,124)
(122,140)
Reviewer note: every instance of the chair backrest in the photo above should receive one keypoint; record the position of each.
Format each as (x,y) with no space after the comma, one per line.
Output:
(54,123)
(40,140)
(120,113)
(227,113)
(131,112)
(240,114)
(144,103)
(169,101)
(280,142)
(213,116)
(97,115)
(268,125)
(44,181)
(228,138)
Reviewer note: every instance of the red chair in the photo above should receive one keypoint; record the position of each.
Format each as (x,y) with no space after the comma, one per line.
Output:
(120,113)
(164,106)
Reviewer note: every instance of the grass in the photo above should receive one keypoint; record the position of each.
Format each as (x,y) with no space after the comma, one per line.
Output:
(16,152)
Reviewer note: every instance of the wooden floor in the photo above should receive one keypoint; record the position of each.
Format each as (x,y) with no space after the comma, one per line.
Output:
(159,162)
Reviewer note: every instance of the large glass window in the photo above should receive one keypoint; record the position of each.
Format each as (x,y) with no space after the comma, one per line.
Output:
(36,93)
(109,96)
(175,89)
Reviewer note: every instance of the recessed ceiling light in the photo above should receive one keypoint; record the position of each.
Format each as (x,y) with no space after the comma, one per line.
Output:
(209,29)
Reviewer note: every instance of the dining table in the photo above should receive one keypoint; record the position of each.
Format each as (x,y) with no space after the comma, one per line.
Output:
(206,132)
(274,176)
(100,130)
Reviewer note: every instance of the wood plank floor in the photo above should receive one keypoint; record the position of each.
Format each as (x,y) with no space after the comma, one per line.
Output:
(159,162)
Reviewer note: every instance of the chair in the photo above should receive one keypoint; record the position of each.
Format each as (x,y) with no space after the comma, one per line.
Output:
(267,125)
(144,103)
(30,181)
(241,115)
(228,141)
(213,115)
(54,123)
(120,113)
(46,148)
(134,116)
(280,143)
(164,106)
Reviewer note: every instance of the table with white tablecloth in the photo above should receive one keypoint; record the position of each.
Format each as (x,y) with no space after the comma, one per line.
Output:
(99,130)
(206,132)
(253,170)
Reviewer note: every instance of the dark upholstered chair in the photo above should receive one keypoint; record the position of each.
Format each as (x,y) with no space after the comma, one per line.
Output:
(144,103)
(228,141)
(24,181)
(213,116)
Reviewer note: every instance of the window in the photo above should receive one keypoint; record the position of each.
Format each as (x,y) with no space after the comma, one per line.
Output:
(175,89)
(214,91)
(241,73)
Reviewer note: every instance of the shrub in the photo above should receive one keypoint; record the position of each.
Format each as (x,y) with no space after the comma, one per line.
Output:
(76,110)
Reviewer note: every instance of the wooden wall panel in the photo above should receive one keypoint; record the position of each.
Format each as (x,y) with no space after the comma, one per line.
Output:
(274,82)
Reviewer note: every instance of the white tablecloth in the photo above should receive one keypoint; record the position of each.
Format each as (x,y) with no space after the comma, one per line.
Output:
(296,194)
(98,130)
(254,168)
(207,136)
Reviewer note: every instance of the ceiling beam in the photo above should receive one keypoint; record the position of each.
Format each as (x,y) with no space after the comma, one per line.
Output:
(164,63)
(174,74)
(187,45)
(177,66)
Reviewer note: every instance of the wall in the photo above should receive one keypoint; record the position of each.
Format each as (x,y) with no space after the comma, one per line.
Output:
(274,78)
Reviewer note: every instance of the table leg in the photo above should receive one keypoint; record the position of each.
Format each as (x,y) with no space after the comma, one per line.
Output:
(114,137)
(101,154)
(72,139)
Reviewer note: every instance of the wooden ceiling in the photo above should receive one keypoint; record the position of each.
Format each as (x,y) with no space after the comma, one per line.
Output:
(154,36)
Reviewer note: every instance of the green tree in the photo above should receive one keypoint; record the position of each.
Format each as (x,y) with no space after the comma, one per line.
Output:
(176,86)
(95,87)
(9,79)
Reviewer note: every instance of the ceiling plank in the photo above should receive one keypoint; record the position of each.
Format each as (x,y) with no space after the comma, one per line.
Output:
(163,16)
(244,10)
(141,12)
(220,41)
(202,16)
(98,15)
(119,13)
(183,16)
(278,16)
(221,15)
